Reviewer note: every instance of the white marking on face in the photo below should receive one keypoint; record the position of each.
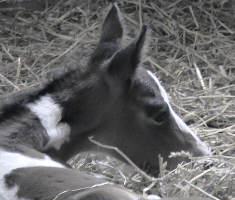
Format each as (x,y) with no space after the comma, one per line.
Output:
(199,145)
(49,114)
(12,160)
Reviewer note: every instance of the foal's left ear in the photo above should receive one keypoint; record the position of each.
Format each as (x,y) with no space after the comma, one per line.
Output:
(124,62)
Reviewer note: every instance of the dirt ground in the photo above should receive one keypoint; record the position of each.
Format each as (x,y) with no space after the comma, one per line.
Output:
(191,49)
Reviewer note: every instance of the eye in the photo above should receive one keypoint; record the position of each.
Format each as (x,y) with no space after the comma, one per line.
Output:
(158,112)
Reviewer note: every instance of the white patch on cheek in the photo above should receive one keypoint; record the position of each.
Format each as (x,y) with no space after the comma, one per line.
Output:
(10,161)
(49,114)
(181,124)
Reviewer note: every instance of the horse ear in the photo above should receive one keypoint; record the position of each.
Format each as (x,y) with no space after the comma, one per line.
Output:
(112,29)
(111,36)
(124,62)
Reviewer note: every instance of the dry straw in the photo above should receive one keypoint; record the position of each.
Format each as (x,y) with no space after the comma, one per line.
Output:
(192,51)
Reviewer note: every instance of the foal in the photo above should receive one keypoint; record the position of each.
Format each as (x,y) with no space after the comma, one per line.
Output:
(114,99)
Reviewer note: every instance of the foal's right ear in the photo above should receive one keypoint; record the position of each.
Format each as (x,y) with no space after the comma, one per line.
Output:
(111,36)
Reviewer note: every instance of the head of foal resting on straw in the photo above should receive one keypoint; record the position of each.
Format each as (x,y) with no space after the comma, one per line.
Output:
(114,99)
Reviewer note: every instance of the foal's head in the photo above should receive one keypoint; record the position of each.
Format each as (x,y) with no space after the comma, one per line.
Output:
(124,105)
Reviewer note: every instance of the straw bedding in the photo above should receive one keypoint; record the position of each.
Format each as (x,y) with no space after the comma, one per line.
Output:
(191,49)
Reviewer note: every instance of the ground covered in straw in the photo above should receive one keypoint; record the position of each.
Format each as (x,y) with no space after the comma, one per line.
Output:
(192,51)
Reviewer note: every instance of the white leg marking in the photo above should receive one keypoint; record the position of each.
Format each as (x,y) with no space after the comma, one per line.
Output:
(181,124)
(50,115)
(10,161)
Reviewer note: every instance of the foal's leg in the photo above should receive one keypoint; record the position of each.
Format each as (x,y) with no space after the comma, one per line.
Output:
(46,183)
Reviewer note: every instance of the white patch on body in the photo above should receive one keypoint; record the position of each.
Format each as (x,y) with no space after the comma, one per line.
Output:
(181,124)
(49,114)
(12,160)
(153,197)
